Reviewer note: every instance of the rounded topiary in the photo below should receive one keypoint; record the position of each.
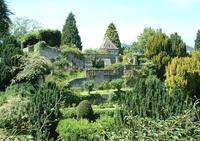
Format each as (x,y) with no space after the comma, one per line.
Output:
(84,110)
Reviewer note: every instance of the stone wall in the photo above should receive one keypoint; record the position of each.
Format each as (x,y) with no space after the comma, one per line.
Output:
(78,82)
(48,52)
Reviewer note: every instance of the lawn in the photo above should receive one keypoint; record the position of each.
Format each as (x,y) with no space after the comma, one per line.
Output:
(103,92)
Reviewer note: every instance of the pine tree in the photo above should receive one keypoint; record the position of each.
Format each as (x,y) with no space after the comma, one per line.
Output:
(112,34)
(70,34)
(4,17)
(197,41)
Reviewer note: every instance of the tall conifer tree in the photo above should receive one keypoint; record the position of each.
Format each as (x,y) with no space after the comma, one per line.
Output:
(70,34)
(112,34)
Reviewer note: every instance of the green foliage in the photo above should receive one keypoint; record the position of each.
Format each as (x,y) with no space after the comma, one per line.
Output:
(71,129)
(117,84)
(89,85)
(99,110)
(104,85)
(69,98)
(43,112)
(184,73)
(4,17)
(34,68)
(29,39)
(178,46)
(84,110)
(158,49)
(112,34)
(51,37)
(90,51)
(98,63)
(180,128)
(9,60)
(70,34)
(197,41)
(67,50)
(144,38)
(150,99)
(113,67)
(13,113)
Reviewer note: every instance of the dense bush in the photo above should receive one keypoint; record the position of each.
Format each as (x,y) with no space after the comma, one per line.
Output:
(33,69)
(13,113)
(71,129)
(149,98)
(51,37)
(98,63)
(179,128)
(69,98)
(84,110)
(67,50)
(9,54)
(117,84)
(29,39)
(43,112)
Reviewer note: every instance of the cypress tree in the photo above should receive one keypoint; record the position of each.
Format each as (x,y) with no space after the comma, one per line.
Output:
(112,34)
(70,34)
(197,41)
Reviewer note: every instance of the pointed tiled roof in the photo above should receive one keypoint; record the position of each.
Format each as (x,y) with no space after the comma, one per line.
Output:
(107,44)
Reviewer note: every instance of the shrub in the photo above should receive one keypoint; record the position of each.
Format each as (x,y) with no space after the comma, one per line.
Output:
(84,110)
(43,112)
(179,128)
(98,63)
(71,129)
(13,113)
(117,84)
(149,98)
(29,39)
(104,85)
(67,50)
(89,85)
(69,97)
(34,68)
(51,37)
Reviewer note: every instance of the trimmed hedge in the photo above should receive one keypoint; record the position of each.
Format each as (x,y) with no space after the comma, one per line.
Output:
(51,37)
(72,129)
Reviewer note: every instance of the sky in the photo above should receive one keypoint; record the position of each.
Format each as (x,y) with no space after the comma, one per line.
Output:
(129,16)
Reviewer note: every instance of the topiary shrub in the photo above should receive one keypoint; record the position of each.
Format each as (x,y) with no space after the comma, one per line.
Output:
(84,110)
